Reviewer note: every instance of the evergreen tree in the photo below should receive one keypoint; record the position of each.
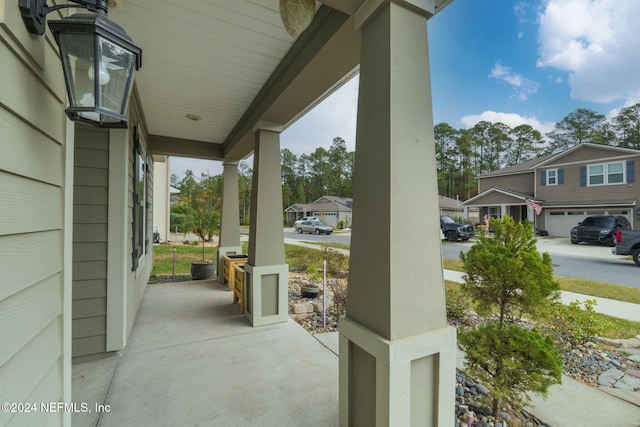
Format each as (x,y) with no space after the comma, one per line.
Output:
(627,127)
(507,275)
(576,128)
(527,145)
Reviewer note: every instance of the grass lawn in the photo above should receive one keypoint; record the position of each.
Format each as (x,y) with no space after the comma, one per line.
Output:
(332,245)
(185,255)
(299,257)
(579,286)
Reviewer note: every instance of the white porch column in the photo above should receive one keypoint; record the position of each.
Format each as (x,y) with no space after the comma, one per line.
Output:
(503,211)
(229,238)
(266,274)
(397,354)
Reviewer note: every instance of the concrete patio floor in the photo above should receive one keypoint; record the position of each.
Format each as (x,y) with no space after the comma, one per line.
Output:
(192,359)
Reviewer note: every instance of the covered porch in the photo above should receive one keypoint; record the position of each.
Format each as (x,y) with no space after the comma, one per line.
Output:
(397,354)
(193,359)
(221,81)
(498,202)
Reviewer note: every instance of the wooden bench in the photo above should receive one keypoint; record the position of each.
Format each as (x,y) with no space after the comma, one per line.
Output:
(238,286)
(228,272)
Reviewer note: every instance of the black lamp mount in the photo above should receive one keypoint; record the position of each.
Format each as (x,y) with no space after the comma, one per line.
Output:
(98,58)
(34,12)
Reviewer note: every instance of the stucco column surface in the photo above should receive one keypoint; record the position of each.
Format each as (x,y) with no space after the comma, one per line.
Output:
(266,274)
(397,354)
(229,237)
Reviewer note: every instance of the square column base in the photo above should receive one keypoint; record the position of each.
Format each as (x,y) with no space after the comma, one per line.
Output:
(266,290)
(222,251)
(408,374)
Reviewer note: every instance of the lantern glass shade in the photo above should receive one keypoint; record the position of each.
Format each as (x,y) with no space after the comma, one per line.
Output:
(99,66)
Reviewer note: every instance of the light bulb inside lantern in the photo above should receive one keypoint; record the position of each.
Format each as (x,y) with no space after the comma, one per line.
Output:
(103,74)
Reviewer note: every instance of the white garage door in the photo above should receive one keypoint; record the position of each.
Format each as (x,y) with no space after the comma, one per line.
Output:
(560,223)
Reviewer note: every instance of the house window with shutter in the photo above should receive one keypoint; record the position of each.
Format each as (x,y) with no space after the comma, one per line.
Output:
(606,173)
(596,174)
(552,177)
(615,173)
(139,200)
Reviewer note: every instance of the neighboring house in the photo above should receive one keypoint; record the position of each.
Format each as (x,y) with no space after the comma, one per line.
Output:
(455,209)
(587,179)
(174,195)
(329,209)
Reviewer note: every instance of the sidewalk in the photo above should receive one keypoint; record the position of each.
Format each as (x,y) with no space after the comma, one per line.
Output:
(623,310)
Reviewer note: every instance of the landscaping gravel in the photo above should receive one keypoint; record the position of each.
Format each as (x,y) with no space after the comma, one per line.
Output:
(600,364)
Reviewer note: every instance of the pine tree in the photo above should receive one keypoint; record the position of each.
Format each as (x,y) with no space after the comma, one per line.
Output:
(506,275)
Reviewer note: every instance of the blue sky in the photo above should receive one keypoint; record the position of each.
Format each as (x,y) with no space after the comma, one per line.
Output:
(529,61)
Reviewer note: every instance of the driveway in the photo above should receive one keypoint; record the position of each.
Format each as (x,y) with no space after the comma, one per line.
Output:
(563,246)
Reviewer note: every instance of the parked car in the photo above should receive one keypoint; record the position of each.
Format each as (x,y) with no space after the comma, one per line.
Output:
(599,229)
(304,218)
(454,231)
(628,243)
(313,227)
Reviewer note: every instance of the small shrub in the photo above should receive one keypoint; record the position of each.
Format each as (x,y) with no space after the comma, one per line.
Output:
(340,225)
(302,258)
(314,273)
(339,290)
(572,323)
(337,262)
(458,306)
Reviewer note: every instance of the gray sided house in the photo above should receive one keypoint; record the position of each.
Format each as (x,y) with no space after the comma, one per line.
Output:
(329,209)
(455,209)
(586,179)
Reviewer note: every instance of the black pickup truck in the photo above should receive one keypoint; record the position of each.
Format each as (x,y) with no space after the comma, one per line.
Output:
(454,231)
(628,243)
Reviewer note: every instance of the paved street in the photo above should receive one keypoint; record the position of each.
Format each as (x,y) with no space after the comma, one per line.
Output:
(583,261)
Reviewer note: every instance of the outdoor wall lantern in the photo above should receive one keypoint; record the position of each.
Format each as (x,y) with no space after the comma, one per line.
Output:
(98,59)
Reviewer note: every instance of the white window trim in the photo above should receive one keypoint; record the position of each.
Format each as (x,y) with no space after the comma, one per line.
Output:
(605,171)
(555,177)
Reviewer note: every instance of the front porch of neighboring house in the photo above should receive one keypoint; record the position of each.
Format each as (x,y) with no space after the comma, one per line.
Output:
(497,203)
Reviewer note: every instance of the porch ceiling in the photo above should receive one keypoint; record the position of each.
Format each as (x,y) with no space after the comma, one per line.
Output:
(232,63)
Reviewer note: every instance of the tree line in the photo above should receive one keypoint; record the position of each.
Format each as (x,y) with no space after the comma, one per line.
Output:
(461,155)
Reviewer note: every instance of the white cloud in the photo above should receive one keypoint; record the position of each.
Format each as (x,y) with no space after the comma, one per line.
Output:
(522,87)
(510,119)
(520,10)
(333,117)
(596,42)
(179,166)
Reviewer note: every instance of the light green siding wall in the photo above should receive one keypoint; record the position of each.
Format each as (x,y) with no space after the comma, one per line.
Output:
(90,229)
(32,201)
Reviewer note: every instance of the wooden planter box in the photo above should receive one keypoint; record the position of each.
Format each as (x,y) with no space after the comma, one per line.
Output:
(228,272)
(238,285)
